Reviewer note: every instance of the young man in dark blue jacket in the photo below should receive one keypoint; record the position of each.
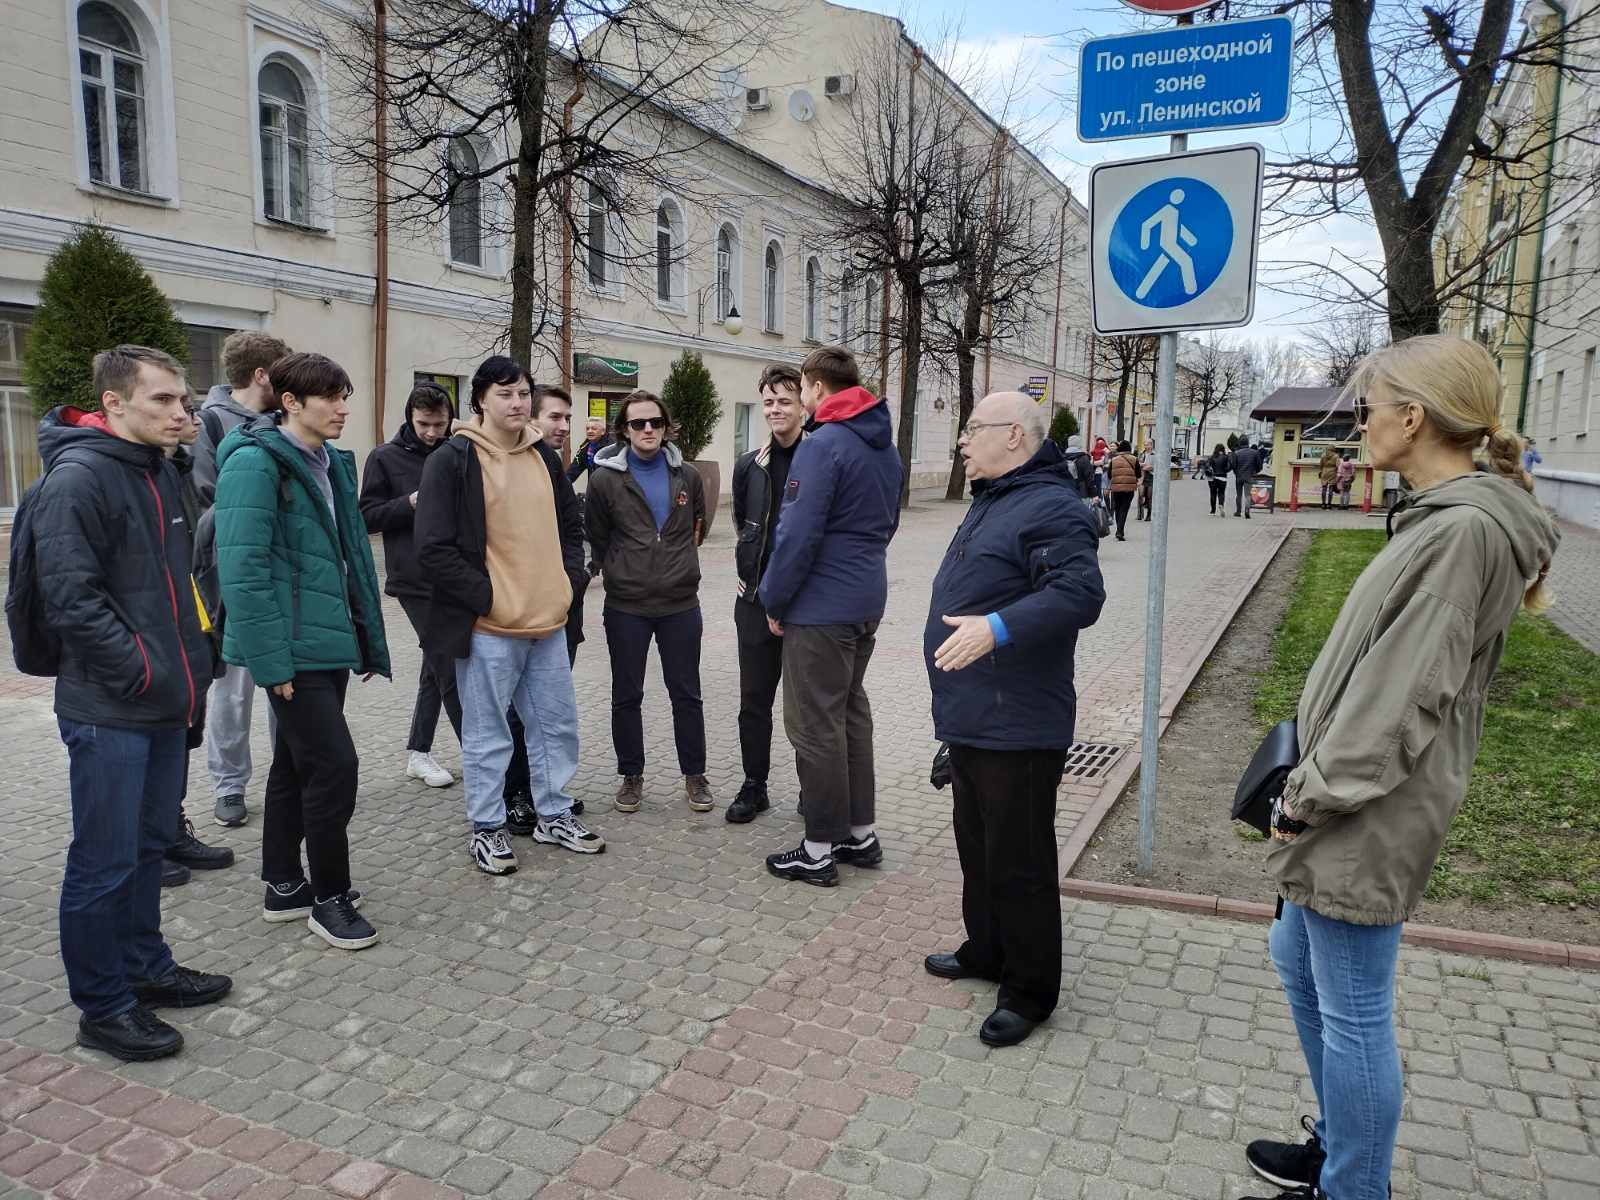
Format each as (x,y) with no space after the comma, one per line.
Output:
(1020,579)
(113,555)
(825,589)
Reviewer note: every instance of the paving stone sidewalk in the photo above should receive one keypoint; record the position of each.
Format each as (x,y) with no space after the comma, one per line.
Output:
(667,1021)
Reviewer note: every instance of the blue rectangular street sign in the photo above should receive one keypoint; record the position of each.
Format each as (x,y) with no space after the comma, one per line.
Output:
(1185,79)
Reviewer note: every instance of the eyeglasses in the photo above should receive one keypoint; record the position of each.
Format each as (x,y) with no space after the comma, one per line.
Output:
(973,427)
(640,424)
(1363,407)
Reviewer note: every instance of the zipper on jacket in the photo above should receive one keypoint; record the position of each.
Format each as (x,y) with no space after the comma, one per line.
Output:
(172,595)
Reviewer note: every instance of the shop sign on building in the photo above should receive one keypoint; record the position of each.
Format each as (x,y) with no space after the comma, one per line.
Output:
(613,372)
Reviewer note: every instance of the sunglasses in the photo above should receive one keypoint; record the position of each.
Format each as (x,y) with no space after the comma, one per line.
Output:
(1363,407)
(640,424)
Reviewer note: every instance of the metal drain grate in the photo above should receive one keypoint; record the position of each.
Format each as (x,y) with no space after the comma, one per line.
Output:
(1091,760)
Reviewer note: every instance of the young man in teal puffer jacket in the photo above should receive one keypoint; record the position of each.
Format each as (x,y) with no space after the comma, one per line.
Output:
(302,610)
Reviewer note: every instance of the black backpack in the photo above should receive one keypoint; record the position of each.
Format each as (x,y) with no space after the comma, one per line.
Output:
(35,646)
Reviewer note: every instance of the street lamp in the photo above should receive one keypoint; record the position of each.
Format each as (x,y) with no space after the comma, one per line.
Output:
(733,322)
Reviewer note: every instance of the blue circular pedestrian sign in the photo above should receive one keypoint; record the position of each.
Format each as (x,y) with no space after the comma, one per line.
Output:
(1170,242)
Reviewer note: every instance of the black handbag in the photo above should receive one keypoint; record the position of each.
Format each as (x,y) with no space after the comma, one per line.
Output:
(939,774)
(1264,778)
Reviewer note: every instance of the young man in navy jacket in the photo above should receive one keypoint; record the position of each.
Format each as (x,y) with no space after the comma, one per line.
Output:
(825,589)
(1020,579)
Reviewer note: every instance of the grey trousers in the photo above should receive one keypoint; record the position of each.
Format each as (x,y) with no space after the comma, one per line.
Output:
(829,722)
(228,711)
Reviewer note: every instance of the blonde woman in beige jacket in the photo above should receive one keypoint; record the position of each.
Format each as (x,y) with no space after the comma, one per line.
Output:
(1389,725)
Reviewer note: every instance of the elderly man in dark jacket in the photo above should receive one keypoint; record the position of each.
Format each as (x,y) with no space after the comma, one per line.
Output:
(825,589)
(1019,580)
(112,554)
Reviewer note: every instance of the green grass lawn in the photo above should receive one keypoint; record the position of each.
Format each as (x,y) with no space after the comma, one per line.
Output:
(1530,826)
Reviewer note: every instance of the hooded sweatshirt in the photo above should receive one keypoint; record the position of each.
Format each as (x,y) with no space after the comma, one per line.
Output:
(519,513)
(229,414)
(1392,712)
(841,507)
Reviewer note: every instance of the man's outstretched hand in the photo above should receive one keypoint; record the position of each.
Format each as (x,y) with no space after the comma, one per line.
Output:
(971,640)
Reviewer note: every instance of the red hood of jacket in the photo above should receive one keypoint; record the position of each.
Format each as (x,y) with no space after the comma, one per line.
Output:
(841,406)
(84,420)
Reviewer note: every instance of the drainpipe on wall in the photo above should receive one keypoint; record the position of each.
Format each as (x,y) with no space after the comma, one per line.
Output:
(1055,335)
(1544,221)
(566,255)
(380,294)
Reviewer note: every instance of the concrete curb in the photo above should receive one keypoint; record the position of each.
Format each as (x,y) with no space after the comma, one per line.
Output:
(1436,937)
(1089,824)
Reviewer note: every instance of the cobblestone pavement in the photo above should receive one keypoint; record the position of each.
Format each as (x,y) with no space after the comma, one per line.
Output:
(666,1021)
(1575,581)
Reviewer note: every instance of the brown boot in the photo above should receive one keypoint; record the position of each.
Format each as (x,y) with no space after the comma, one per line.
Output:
(698,791)
(630,793)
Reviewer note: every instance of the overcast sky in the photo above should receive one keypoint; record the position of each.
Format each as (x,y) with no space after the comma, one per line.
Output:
(1037,41)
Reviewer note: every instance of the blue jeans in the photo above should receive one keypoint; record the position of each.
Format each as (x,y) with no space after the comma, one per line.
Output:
(533,676)
(1340,981)
(125,786)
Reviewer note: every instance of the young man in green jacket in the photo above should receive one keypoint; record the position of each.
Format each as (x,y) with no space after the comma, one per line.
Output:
(302,610)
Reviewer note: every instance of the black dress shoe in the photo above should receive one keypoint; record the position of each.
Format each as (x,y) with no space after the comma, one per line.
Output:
(137,1035)
(948,966)
(173,874)
(1005,1028)
(191,852)
(181,988)
(751,800)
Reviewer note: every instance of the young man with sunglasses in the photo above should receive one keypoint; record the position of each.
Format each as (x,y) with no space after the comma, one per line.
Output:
(646,515)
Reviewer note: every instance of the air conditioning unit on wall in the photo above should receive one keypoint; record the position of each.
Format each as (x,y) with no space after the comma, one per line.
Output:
(836,87)
(757,100)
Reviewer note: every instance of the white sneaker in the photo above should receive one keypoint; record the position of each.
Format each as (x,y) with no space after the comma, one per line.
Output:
(421,766)
(566,830)
(491,850)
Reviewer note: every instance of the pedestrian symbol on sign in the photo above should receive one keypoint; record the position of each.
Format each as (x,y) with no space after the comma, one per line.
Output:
(1170,242)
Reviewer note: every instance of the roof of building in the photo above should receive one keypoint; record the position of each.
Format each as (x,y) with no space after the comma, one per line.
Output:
(1303,402)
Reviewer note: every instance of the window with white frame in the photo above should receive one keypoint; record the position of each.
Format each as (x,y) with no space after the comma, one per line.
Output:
(597,235)
(465,190)
(727,268)
(114,70)
(772,288)
(847,309)
(869,305)
(1586,397)
(669,253)
(813,299)
(285,127)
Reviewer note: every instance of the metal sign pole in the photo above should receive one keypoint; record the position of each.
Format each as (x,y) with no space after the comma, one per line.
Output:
(1156,586)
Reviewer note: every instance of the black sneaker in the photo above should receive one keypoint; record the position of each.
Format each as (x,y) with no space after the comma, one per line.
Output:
(1289,1164)
(181,988)
(292,901)
(230,811)
(797,864)
(521,818)
(173,874)
(337,922)
(862,852)
(1310,1192)
(137,1035)
(577,808)
(751,800)
(195,854)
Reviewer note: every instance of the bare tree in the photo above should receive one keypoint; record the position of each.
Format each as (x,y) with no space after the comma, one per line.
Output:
(1123,357)
(1003,229)
(526,101)
(1342,341)
(1216,375)
(891,162)
(1280,362)
(1408,91)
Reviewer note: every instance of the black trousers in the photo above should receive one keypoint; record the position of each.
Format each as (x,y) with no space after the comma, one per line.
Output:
(1241,497)
(829,722)
(518,782)
(677,639)
(760,670)
(1219,494)
(311,789)
(1005,827)
(1120,503)
(436,685)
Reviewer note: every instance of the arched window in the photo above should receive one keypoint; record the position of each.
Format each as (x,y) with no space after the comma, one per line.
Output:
(813,299)
(869,305)
(669,253)
(847,309)
(115,122)
(598,234)
(285,144)
(772,288)
(727,269)
(466,204)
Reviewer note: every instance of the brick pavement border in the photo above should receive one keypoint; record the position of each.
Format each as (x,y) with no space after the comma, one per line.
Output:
(1120,776)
